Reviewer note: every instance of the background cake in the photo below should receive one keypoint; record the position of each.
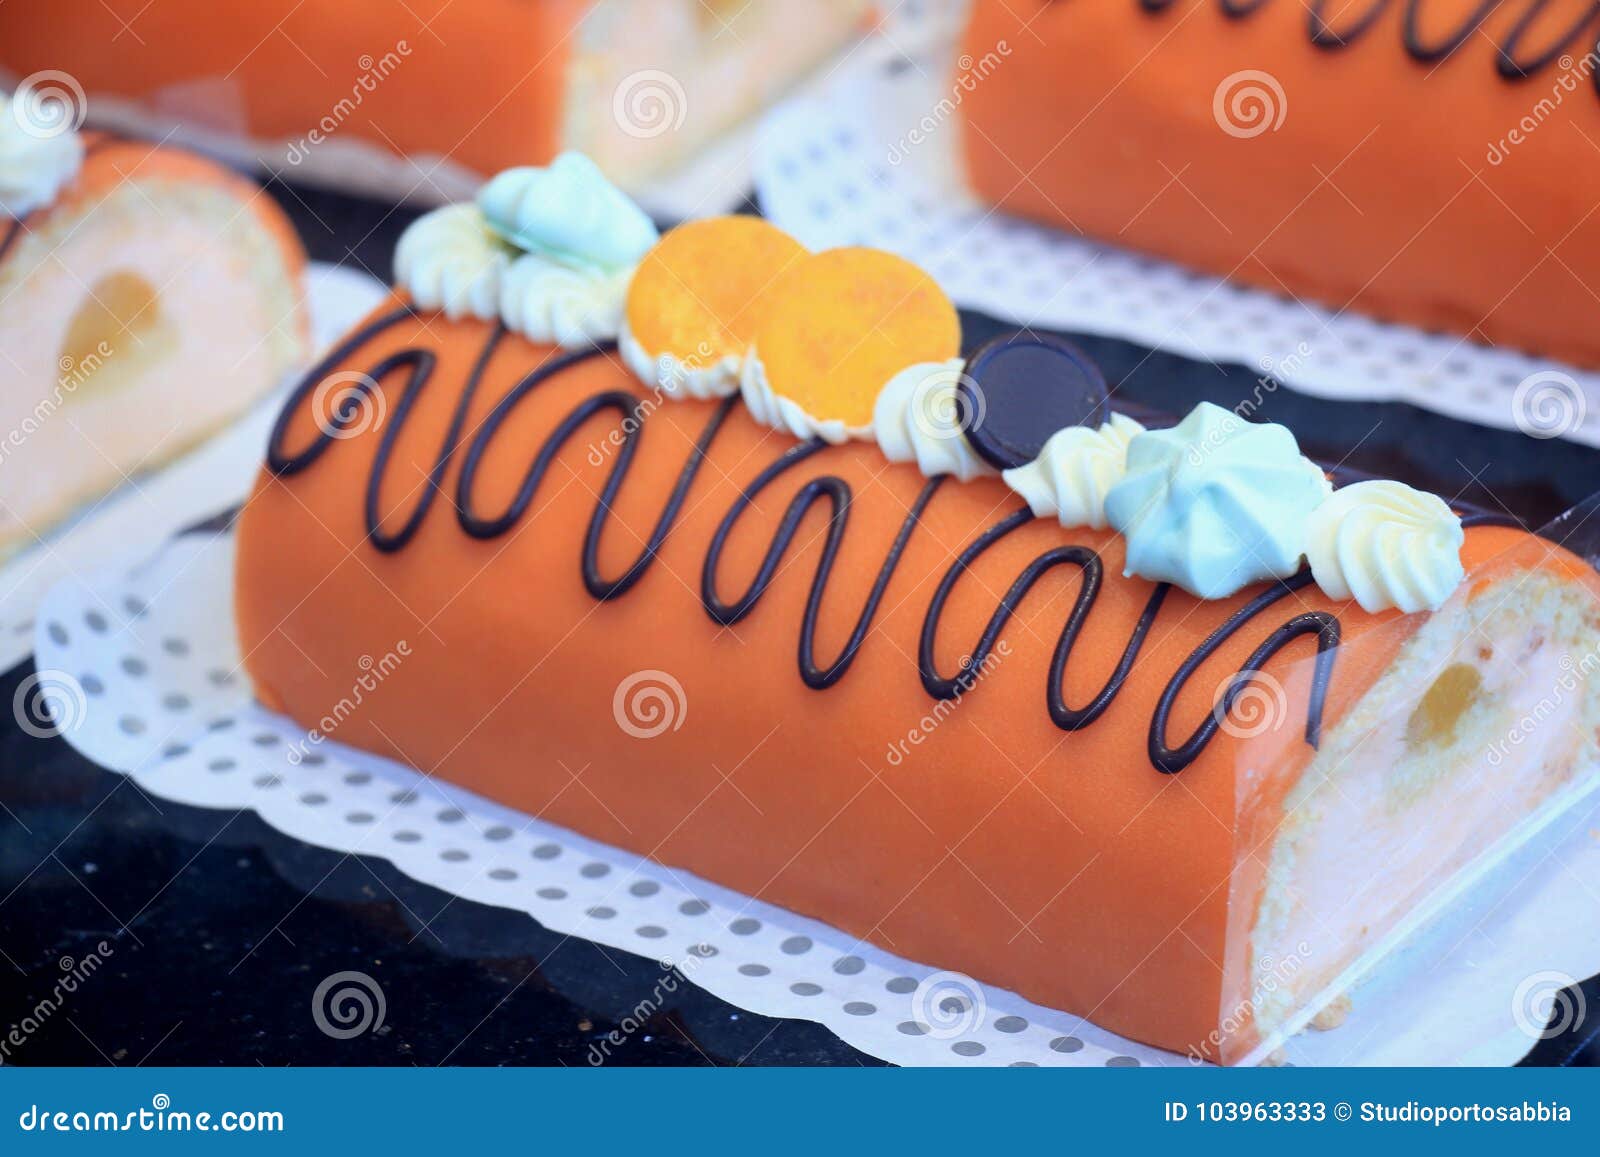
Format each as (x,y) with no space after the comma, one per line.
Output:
(332,89)
(147,297)
(1429,163)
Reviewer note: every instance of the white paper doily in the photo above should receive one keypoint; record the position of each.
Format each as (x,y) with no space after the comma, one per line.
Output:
(150,508)
(843,168)
(140,666)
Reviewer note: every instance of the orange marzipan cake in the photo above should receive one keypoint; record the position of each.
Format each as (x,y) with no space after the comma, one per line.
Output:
(1422,161)
(1118,717)
(326,89)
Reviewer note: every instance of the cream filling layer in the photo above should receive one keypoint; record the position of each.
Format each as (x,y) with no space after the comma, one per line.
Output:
(198,318)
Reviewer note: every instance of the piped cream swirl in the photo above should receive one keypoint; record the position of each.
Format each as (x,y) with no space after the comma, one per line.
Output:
(1215,503)
(1386,545)
(1074,472)
(915,419)
(34,165)
(450,260)
(546,301)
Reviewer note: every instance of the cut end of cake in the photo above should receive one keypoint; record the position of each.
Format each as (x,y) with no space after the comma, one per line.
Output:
(144,316)
(653,84)
(1483,728)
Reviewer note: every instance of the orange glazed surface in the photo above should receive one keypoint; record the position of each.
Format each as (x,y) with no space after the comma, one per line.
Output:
(1412,191)
(230,73)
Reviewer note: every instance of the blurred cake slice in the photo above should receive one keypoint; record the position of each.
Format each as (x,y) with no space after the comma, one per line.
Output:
(149,300)
(335,90)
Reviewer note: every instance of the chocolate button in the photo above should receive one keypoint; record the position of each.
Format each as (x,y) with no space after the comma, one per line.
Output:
(1021,388)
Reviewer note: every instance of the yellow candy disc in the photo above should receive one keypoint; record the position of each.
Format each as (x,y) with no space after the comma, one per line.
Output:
(839,325)
(698,296)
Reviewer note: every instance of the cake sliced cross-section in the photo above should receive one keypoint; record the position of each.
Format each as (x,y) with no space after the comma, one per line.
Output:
(148,296)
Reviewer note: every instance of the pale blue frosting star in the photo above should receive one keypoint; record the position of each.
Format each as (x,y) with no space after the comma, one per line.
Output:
(569,212)
(1215,503)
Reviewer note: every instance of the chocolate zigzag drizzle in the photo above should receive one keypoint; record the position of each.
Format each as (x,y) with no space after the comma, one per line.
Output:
(837,492)
(413,370)
(1513,59)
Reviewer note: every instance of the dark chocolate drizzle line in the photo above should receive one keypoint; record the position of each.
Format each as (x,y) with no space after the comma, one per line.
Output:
(1320,623)
(1476,516)
(837,492)
(1092,568)
(1514,66)
(1425,51)
(1510,61)
(626,405)
(1325,35)
(412,369)
(286,465)
(421,365)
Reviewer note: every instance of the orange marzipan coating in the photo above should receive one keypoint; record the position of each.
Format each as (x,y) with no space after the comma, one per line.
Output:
(483,85)
(1378,190)
(1060,865)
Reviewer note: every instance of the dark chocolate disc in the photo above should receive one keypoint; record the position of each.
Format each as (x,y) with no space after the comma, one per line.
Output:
(1021,388)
